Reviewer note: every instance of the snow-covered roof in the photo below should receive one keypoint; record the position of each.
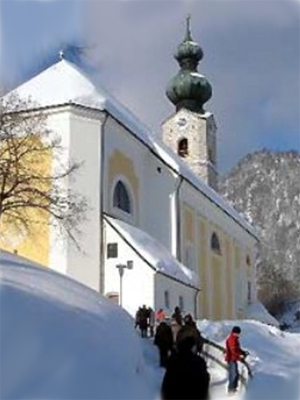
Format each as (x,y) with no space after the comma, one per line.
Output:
(65,83)
(154,252)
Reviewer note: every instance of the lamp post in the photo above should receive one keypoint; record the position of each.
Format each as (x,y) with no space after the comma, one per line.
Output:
(121,268)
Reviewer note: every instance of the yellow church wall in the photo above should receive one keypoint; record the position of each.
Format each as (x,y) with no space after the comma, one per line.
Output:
(249,265)
(229,277)
(33,244)
(238,271)
(188,224)
(203,301)
(121,165)
(216,265)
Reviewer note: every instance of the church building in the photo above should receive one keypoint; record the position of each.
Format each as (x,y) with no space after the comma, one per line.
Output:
(157,231)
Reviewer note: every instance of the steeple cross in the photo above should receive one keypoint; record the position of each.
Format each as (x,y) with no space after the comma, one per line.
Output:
(188,29)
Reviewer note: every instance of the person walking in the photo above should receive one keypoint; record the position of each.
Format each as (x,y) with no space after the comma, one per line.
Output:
(143,321)
(151,321)
(177,315)
(233,354)
(137,318)
(190,329)
(163,339)
(175,327)
(186,375)
(160,315)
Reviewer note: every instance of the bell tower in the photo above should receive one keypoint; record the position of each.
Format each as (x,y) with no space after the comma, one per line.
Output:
(191,131)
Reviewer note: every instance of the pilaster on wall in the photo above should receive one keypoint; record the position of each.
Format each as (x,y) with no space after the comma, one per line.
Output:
(229,278)
(203,303)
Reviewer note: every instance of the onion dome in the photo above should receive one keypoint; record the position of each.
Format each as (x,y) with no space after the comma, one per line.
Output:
(188,88)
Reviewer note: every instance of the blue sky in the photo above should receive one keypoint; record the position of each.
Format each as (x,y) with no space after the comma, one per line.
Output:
(251,58)
(32,32)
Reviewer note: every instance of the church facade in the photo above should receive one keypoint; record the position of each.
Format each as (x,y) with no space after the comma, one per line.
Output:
(157,231)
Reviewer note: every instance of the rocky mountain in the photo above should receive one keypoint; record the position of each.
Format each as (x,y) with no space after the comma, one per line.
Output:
(265,187)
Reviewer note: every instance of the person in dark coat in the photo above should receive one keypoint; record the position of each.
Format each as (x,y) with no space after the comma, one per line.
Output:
(186,376)
(143,321)
(164,341)
(151,321)
(137,318)
(177,315)
(190,329)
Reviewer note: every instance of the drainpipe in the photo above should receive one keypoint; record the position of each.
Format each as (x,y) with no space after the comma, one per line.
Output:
(195,303)
(102,226)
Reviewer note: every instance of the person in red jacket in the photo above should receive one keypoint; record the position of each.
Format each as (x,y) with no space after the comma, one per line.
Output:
(234,353)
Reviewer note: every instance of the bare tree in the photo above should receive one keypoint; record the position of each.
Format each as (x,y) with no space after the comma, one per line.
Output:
(33,178)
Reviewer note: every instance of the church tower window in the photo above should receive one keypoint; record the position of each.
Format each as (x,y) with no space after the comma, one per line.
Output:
(183,148)
(215,244)
(121,198)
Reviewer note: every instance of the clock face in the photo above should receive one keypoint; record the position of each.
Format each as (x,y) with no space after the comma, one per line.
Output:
(182,122)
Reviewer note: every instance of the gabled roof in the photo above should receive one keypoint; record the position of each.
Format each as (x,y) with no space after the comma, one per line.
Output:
(65,83)
(59,84)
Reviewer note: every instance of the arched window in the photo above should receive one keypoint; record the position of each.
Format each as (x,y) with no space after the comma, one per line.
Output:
(215,243)
(248,261)
(121,198)
(182,148)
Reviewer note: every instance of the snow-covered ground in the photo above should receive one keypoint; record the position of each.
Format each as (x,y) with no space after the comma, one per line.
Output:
(274,359)
(61,340)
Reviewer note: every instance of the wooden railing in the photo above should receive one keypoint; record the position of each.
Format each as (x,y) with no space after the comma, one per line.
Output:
(220,360)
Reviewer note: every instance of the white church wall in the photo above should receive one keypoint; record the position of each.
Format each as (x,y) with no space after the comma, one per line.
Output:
(85,128)
(137,283)
(170,293)
(157,214)
(59,124)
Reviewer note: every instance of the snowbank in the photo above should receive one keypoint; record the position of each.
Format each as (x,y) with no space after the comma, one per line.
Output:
(61,340)
(258,312)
